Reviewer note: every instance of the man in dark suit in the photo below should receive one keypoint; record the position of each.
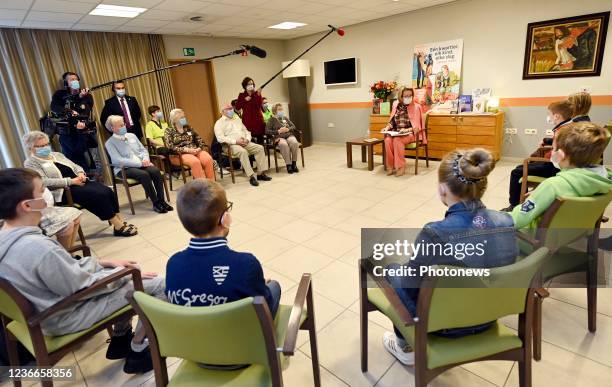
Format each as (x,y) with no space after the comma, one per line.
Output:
(125,106)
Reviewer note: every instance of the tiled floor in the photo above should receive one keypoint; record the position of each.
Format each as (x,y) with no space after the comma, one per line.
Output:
(311,222)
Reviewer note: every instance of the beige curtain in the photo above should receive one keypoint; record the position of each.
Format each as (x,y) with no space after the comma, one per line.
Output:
(34,60)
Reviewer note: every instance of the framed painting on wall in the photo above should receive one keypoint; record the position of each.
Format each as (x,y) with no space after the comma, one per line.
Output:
(568,47)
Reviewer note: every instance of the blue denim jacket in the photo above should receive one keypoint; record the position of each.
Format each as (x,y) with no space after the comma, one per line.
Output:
(464,222)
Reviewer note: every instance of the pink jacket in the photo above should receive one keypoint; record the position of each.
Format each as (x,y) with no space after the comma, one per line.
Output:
(415,114)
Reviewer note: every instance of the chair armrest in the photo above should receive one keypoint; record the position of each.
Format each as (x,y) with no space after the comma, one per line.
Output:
(542,293)
(528,238)
(304,290)
(538,159)
(391,295)
(157,157)
(84,248)
(76,297)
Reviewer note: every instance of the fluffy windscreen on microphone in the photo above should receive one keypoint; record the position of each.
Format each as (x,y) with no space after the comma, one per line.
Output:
(258,52)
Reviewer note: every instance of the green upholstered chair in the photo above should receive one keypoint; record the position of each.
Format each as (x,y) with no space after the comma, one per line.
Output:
(23,324)
(441,305)
(240,332)
(566,221)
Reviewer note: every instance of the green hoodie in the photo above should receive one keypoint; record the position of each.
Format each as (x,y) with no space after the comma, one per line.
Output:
(571,182)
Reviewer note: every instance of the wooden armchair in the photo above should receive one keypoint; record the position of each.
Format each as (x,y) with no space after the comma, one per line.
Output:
(271,147)
(23,324)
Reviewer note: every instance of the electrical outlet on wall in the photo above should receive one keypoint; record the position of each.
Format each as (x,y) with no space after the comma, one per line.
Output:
(331,125)
(531,131)
(549,132)
(511,131)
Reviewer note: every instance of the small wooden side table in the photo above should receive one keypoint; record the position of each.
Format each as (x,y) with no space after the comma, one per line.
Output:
(367,151)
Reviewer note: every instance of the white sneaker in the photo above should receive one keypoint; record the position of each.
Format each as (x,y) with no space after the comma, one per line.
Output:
(390,343)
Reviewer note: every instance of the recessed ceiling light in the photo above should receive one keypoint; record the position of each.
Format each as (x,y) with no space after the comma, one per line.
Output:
(287,25)
(116,11)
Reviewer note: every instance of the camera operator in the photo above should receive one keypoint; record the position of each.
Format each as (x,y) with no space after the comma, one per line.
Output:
(75,132)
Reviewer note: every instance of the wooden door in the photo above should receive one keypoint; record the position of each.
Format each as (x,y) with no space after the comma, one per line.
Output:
(195,93)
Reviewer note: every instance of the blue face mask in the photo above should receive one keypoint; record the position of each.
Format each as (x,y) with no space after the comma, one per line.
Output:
(280,114)
(75,85)
(44,151)
(122,131)
(229,114)
(183,121)
(120,93)
(159,115)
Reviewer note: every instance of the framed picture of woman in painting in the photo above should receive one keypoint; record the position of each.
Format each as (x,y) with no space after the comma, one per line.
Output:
(569,47)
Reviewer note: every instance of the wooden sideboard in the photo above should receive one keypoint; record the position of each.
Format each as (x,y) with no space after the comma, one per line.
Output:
(447,132)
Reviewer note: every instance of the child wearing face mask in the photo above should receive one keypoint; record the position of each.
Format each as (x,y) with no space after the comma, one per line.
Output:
(406,119)
(577,148)
(559,114)
(462,178)
(208,272)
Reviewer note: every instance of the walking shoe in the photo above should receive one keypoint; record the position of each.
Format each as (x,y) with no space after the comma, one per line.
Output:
(289,169)
(405,355)
(167,206)
(253,181)
(138,362)
(264,177)
(119,346)
(295,168)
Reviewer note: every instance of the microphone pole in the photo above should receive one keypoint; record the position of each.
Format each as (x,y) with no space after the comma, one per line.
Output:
(332,30)
(236,52)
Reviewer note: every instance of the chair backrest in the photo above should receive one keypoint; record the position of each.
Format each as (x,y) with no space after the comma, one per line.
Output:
(483,299)
(569,219)
(229,333)
(13,304)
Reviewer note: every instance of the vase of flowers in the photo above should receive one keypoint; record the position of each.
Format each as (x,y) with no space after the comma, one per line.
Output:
(381,90)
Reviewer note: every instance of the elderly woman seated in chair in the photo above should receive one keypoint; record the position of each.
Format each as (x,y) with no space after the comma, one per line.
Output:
(282,131)
(127,153)
(61,176)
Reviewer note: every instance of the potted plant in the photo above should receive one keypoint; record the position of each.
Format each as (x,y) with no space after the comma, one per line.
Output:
(381,90)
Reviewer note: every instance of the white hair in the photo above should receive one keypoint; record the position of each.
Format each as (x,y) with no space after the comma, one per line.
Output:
(31,138)
(110,122)
(174,115)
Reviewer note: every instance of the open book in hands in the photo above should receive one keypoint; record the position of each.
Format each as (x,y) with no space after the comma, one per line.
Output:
(395,133)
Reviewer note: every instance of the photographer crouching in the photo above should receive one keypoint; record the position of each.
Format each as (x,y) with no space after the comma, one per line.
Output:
(72,108)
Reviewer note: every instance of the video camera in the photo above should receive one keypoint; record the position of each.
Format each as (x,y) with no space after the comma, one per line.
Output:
(65,123)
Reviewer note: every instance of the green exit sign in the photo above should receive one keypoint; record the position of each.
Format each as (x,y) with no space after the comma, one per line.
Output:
(188,51)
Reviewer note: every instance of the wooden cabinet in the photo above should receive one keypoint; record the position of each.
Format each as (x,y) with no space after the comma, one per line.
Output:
(447,132)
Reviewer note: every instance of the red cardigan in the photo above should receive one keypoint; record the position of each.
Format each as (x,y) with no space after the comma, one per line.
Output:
(252,117)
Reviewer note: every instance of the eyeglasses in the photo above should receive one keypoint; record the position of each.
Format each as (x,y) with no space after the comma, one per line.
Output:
(229,207)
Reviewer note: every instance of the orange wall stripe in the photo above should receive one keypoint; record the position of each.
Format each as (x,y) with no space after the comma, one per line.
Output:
(503,102)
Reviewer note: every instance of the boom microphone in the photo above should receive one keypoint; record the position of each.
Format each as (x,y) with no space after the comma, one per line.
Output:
(339,31)
(258,52)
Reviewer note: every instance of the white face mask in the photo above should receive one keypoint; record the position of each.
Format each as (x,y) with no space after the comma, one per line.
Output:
(43,211)
(48,196)
(250,87)
(407,100)
(549,120)
(555,159)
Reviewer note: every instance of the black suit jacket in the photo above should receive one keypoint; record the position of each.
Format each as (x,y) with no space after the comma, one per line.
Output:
(112,107)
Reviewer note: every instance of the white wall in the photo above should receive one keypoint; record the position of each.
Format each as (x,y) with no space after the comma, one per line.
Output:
(230,71)
(493,33)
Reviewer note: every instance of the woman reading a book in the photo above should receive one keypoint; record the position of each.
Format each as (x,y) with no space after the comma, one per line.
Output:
(404,127)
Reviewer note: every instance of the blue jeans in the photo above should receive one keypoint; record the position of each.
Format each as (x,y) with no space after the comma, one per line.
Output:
(275,290)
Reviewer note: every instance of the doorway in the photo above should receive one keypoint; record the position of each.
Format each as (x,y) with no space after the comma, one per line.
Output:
(195,93)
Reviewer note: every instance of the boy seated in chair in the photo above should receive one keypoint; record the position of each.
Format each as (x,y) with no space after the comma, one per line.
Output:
(208,272)
(577,149)
(560,114)
(45,273)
